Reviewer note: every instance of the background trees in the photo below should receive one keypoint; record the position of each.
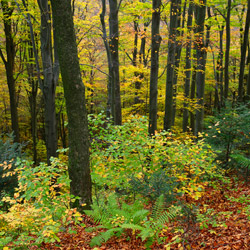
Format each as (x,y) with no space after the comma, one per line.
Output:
(169,61)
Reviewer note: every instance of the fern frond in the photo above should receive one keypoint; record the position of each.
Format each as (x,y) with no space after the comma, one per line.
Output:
(139,216)
(158,207)
(105,236)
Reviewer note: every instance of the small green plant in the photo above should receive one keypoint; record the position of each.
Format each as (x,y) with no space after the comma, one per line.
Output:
(120,217)
(154,185)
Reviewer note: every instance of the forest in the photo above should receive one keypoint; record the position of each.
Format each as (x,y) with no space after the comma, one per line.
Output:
(124,124)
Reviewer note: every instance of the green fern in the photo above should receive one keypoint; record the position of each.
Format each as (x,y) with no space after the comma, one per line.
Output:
(117,218)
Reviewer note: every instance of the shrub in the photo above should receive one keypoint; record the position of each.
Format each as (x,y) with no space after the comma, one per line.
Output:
(228,131)
(40,206)
(130,154)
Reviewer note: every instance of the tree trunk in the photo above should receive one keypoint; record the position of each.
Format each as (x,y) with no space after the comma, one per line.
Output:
(170,65)
(74,92)
(201,63)
(50,73)
(243,54)
(156,41)
(188,66)
(179,34)
(9,65)
(110,100)
(114,44)
(227,52)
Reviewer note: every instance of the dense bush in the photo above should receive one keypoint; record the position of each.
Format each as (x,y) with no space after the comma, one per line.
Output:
(126,156)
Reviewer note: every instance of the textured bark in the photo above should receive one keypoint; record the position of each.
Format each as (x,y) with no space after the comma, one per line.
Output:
(188,66)
(50,73)
(170,65)
(74,92)
(114,44)
(201,63)
(243,54)
(9,65)
(156,41)
(227,51)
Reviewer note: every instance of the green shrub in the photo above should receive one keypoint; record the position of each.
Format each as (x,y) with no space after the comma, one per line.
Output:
(130,154)
(228,131)
(40,206)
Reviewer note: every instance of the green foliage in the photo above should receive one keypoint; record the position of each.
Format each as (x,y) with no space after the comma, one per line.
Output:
(154,185)
(41,205)
(228,131)
(126,158)
(119,217)
(9,151)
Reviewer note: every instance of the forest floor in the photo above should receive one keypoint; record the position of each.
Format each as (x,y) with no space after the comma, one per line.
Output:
(226,225)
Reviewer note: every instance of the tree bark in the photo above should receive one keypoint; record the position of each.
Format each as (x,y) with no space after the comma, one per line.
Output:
(201,63)
(114,44)
(243,54)
(50,73)
(110,100)
(188,66)
(9,64)
(74,92)
(170,65)
(227,51)
(156,41)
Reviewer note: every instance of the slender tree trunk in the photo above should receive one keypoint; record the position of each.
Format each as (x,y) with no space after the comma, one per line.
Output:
(220,68)
(110,100)
(192,95)
(114,43)
(188,66)
(248,83)
(178,55)
(9,64)
(227,52)
(156,41)
(74,92)
(170,65)
(201,63)
(50,73)
(243,54)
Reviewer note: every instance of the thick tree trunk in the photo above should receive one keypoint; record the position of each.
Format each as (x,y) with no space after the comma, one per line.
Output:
(114,44)
(156,41)
(74,92)
(50,73)
(9,65)
(170,65)
(227,51)
(243,54)
(188,66)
